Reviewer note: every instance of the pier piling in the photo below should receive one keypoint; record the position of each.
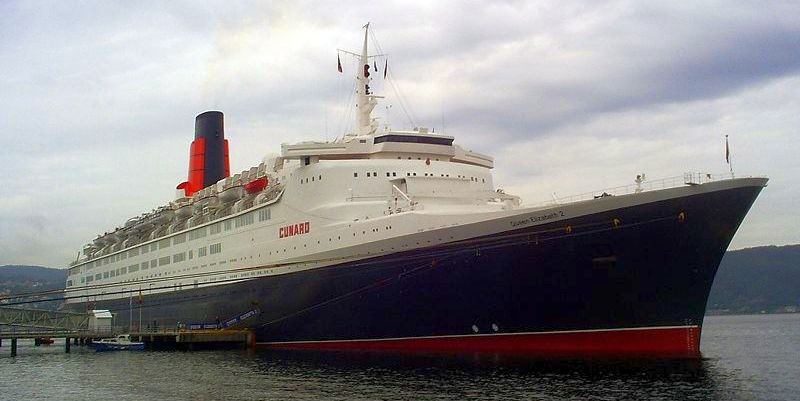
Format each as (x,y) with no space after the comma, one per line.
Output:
(13,347)
(66,345)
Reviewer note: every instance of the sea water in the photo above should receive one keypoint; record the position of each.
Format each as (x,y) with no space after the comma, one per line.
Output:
(744,358)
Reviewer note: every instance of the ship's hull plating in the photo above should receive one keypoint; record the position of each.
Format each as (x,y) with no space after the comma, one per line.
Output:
(633,280)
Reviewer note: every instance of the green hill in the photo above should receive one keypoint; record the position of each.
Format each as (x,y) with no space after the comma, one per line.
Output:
(755,280)
(25,279)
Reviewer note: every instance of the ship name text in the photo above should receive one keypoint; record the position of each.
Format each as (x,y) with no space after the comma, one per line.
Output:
(294,229)
(537,218)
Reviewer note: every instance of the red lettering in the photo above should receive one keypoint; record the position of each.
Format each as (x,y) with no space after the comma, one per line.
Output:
(294,229)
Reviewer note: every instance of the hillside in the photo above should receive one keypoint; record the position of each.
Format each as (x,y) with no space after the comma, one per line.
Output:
(23,279)
(757,279)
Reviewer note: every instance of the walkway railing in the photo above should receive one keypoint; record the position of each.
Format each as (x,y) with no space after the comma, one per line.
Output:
(643,186)
(43,319)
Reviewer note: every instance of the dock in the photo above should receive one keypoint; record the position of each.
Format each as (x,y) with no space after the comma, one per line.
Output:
(28,324)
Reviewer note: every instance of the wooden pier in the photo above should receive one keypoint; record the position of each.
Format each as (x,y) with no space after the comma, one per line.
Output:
(18,324)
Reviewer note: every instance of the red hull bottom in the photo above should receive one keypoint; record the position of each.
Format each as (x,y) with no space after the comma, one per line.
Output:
(657,341)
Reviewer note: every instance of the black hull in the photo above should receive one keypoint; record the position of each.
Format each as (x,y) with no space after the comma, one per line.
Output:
(641,267)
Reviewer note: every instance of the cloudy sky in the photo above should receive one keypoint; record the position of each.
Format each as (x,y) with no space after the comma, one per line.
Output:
(97,99)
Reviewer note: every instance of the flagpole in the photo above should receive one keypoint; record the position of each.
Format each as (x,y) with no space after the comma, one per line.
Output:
(728,156)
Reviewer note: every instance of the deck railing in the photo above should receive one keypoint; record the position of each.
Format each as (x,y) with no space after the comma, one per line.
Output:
(645,185)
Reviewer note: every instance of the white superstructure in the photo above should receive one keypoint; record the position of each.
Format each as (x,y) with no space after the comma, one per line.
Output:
(325,202)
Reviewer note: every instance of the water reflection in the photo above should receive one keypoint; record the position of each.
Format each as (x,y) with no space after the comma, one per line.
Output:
(486,376)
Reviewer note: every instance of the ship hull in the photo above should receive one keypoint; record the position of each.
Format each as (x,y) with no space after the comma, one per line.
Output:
(627,281)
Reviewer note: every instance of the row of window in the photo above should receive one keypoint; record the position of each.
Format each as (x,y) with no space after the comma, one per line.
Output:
(394,174)
(240,221)
(305,180)
(163,261)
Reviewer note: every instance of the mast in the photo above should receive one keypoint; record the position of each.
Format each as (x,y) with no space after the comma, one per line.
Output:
(365,100)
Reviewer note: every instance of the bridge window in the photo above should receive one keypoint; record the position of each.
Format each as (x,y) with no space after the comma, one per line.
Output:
(414,139)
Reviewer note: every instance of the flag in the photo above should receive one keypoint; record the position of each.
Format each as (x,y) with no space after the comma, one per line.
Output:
(727,151)
(385,68)
(375,65)
(338,63)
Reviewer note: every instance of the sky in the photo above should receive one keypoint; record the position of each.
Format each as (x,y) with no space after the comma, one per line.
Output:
(98,98)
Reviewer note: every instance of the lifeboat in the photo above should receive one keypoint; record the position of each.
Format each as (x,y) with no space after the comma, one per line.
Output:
(231,194)
(256,186)
(183,208)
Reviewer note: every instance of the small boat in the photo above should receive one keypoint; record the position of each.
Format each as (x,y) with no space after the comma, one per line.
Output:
(43,341)
(121,342)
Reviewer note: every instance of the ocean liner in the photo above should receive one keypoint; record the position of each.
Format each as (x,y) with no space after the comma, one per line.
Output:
(398,239)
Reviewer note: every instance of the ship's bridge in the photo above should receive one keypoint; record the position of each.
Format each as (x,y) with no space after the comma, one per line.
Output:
(417,144)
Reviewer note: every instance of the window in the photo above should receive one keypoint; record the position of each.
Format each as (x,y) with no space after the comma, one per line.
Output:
(215,248)
(179,257)
(355,175)
(124,255)
(227,225)
(164,243)
(163,261)
(179,239)
(264,214)
(190,254)
(146,249)
(154,246)
(105,274)
(123,270)
(133,268)
(89,279)
(201,252)
(145,265)
(134,252)
(216,228)
(368,174)
(112,273)
(69,283)
(414,139)
(154,263)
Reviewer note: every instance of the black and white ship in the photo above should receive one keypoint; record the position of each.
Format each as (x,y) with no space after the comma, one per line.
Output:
(388,239)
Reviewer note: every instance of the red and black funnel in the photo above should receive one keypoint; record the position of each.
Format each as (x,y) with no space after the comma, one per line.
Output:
(208,154)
